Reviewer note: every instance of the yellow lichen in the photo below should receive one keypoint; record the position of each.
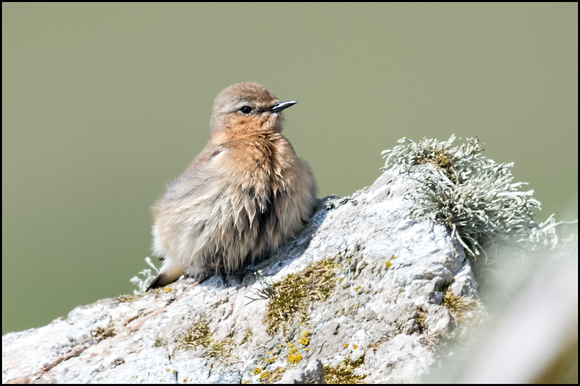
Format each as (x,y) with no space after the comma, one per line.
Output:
(304,341)
(272,376)
(294,358)
(271,360)
(263,375)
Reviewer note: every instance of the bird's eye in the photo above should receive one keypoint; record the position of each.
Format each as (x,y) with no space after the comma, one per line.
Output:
(246,110)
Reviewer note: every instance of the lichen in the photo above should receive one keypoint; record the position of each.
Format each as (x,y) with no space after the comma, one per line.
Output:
(272,376)
(264,291)
(294,358)
(295,293)
(472,195)
(304,341)
(147,277)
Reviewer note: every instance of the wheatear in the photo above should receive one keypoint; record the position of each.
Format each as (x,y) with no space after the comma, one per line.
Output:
(242,197)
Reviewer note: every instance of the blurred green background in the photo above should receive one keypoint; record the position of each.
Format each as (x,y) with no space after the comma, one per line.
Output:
(103,104)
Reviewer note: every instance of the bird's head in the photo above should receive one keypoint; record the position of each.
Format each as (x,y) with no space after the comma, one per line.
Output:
(246,108)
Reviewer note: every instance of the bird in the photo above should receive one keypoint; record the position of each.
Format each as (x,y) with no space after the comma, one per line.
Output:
(246,194)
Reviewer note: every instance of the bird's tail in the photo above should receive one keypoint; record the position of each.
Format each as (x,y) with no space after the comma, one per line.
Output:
(166,276)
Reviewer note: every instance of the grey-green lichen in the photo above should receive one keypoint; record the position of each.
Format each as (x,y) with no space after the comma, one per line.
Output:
(295,293)
(473,195)
(265,290)
(147,277)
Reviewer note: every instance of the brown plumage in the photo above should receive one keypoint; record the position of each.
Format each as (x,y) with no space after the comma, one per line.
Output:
(242,197)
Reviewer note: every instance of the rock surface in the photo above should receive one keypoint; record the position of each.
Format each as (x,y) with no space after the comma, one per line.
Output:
(377,298)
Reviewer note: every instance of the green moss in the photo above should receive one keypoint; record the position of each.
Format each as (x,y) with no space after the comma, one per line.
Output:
(343,373)
(247,335)
(420,318)
(295,293)
(101,333)
(457,305)
(219,348)
(128,298)
(199,337)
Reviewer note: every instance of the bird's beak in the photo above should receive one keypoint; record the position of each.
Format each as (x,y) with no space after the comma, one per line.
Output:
(281,106)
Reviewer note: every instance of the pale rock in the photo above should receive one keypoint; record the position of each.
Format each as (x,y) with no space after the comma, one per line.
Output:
(385,313)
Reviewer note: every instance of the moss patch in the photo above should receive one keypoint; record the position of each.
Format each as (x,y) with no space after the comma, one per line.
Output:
(247,335)
(295,293)
(128,298)
(458,306)
(199,337)
(343,373)
(101,333)
(420,318)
